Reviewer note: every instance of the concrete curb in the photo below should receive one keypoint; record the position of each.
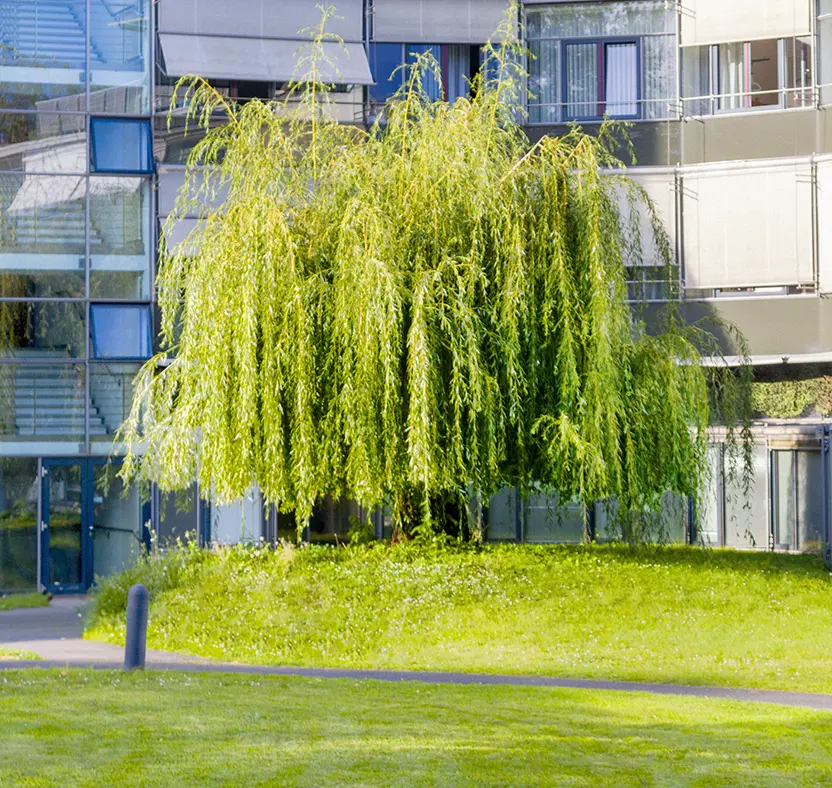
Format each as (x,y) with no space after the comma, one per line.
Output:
(776,697)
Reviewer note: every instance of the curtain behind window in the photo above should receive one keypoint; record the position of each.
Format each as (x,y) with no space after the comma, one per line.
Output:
(621,80)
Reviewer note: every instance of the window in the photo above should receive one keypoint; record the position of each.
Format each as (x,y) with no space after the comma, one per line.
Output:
(600,78)
(747,75)
(587,60)
(458,62)
(121,146)
(120,331)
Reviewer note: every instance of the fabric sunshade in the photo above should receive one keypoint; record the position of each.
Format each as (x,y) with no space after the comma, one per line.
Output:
(717,21)
(258,59)
(436,21)
(748,227)
(259,18)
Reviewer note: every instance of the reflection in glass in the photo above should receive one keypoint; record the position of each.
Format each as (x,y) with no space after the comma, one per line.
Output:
(544,81)
(332,521)
(746,521)
(111,394)
(798,500)
(502,515)
(117,522)
(41,329)
(41,408)
(64,518)
(42,235)
(18,524)
(43,52)
(43,142)
(546,520)
(579,20)
(177,516)
(121,145)
(120,56)
(120,237)
(120,331)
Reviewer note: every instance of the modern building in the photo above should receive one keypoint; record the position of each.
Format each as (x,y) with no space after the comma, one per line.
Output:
(733,142)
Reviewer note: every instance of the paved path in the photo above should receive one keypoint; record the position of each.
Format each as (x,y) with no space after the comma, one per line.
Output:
(54,633)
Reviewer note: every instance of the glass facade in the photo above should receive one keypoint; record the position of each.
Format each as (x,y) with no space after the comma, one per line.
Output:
(76,221)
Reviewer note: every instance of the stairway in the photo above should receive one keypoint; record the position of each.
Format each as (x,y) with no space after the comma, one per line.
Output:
(45,31)
(47,403)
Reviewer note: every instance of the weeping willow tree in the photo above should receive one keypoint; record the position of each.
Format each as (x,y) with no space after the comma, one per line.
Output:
(406,313)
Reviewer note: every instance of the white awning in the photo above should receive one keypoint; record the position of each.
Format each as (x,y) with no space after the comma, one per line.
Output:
(718,21)
(266,18)
(258,59)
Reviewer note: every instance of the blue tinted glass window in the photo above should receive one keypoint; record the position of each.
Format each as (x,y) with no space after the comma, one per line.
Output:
(120,331)
(121,145)
(433,87)
(384,60)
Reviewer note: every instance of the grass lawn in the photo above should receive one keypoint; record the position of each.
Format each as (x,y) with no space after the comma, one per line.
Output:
(657,614)
(16,654)
(88,729)
(13,601)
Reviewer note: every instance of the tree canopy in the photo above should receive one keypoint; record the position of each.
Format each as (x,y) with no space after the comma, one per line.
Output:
(407,312)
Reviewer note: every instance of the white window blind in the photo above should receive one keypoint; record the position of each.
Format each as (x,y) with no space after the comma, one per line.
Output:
(749,226)
(436,21)
(259,18)
(719,21)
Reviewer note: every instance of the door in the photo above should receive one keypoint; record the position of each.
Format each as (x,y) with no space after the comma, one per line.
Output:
(66,532)
(90,527)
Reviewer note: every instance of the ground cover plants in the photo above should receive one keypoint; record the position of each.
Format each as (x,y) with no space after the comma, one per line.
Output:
(163,730)
(657,614)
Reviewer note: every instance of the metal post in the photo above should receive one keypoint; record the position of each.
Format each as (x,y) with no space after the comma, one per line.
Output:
(135,642)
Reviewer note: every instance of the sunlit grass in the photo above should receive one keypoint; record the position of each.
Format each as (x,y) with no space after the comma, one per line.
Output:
(16,654)
(168,730)
(657,614)
(13,601)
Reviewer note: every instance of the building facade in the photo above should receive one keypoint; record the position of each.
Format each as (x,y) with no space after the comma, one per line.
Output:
(730,130)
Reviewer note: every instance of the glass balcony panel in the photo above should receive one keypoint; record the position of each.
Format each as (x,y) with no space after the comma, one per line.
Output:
(178,513)
(43,54)
(120,237)
(580,20)
(120,38)
(111,395)
(43,142)
(42,235)
(41,409)
(42,329)
(18,524)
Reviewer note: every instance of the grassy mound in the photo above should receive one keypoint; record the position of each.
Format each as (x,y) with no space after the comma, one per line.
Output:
(659,614)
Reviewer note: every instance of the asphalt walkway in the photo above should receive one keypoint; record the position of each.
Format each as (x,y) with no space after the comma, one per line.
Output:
(54,633)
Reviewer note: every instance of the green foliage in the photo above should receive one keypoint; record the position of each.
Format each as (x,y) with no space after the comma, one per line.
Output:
(170,730)
(683,615)
(406,313)
(788,399)
(14,601)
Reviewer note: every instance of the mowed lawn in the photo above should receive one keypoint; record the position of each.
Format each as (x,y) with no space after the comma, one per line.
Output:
(685,615)
(91,729)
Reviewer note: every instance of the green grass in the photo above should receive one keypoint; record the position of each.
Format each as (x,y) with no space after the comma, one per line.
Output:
(89,729)
(656,614)
(14,601)
(16,654)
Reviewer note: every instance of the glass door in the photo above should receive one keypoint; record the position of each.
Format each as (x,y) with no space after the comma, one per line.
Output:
(66,555)
(89,526)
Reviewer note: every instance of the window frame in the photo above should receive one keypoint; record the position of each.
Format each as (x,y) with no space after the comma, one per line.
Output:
(601,44)
(96,120)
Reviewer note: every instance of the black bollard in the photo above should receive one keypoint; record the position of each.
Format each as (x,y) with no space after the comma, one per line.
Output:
(135,642)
